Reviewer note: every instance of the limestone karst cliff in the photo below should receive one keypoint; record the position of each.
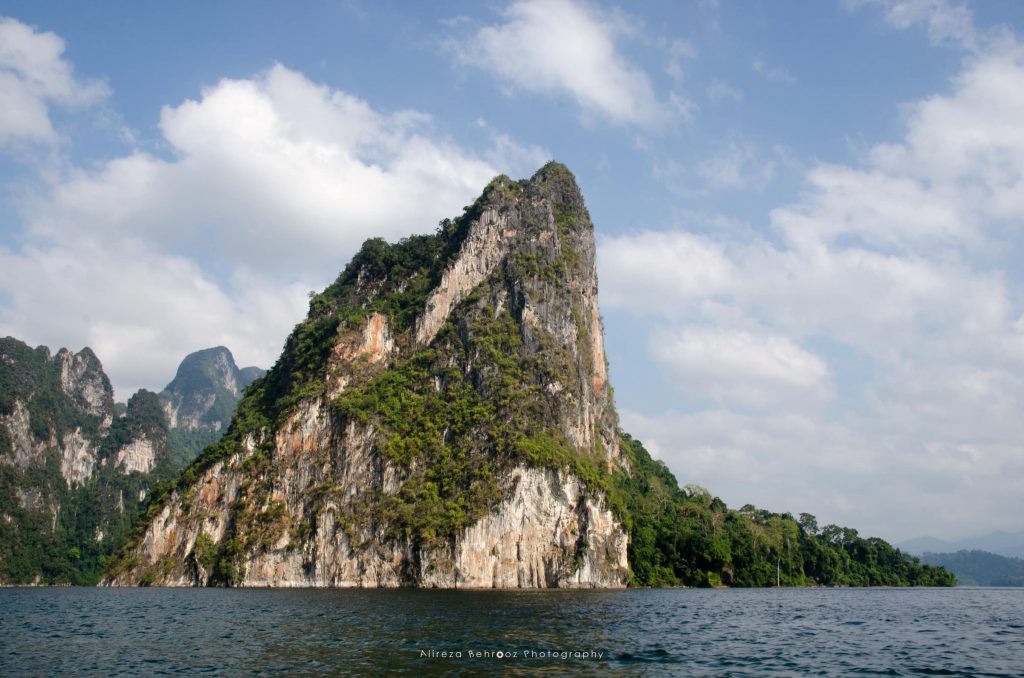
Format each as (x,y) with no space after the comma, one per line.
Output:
(69,467)
(441,418)
(205,389)
(76,469)
(201,399)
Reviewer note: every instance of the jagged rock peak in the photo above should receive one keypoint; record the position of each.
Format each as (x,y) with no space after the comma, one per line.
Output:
(78,376)
(441,418)
(205,389)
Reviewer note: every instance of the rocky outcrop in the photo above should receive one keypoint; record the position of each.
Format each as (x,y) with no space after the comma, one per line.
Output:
(78,458)
(24,451)
(205,390)
(83,379)
(62,447)
(56,415)
(139,455)
(441,419)
(551,532)
(484,248)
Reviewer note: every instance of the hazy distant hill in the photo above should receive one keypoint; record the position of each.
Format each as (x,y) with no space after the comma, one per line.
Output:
(1009,544)
(980,568)
(200,400)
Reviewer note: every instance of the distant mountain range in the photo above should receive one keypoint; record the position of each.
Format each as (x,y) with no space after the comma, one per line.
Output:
(1009,544)
(979,568)
(76,468)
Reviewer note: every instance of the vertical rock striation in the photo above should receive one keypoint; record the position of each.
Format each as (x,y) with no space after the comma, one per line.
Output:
(442,418)
(67,463)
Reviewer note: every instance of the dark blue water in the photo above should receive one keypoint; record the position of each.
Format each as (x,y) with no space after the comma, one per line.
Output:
(891,632)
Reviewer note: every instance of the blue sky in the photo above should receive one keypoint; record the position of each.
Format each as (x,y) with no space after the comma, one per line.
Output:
(808,213)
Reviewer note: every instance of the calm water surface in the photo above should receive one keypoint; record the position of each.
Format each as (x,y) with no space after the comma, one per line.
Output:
(892,632)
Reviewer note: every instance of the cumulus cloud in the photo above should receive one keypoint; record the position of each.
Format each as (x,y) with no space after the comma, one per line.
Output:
(566,48)
(648,268)
(141,310)
(738,366)
(33,76)
(888,293)
(839,468)
(268,186)
(287,170)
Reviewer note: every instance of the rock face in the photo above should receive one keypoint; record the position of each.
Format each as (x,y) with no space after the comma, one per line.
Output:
(206,389)
(56,432)
(82,379)
(57,406)
(442,418)
(68,462)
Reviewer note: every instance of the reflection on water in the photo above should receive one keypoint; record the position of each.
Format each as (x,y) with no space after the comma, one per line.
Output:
(409,632)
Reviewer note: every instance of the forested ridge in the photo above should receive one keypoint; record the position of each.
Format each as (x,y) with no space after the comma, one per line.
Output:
(687,537)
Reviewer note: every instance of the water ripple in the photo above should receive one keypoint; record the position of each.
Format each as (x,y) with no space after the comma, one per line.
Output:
(877,632)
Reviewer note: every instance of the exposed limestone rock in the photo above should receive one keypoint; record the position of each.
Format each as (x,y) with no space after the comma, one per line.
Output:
(485,247)
(27,451)
(479,351)
(78,458)
(369,349)
(62,447)
(138,455)
(189,420)
(82,378)
(550,533)
(377,342)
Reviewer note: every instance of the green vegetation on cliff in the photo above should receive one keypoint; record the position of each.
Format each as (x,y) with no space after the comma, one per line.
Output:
(687,537)
(60,525)
(511,373)
(55,532)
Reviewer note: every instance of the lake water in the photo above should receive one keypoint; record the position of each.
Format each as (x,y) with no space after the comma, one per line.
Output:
(99,632)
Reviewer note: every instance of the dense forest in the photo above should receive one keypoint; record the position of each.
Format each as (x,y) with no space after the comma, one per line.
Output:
(688,537)
(56,533)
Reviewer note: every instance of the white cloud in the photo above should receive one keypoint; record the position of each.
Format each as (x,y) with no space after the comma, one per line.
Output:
(794,462)
(970,142)
(268,187)
(34,75)
(737,366)
(565,47)
(648,268)
(888,292)
(141,310)
(945,22)
(289,172)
